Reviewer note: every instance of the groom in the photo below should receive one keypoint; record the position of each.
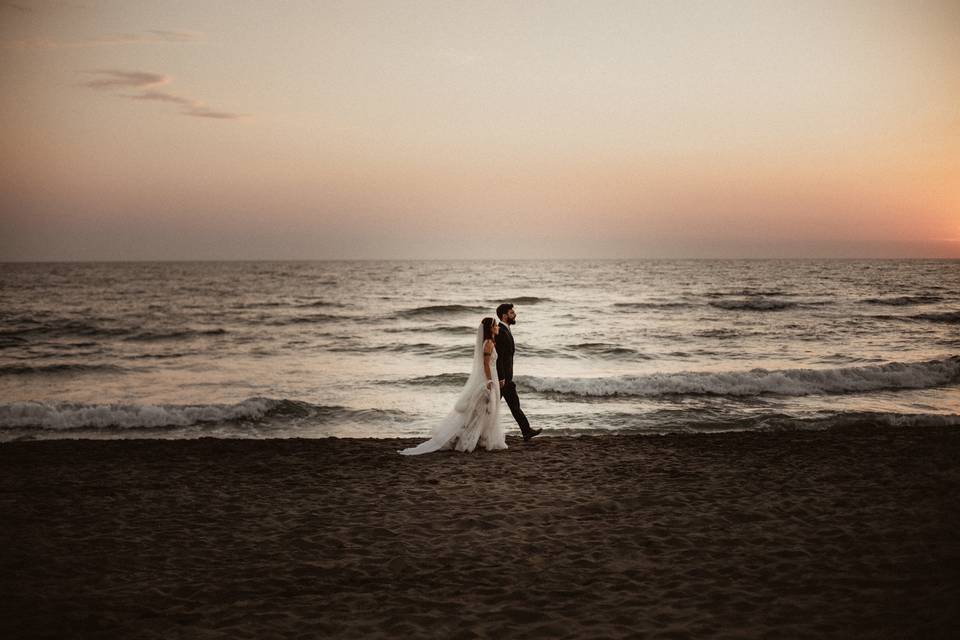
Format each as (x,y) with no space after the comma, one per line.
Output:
(505,349)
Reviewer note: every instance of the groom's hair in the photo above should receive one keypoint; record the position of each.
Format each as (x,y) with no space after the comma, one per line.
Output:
(502,309)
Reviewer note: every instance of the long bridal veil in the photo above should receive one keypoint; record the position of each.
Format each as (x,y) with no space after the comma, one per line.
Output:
(473,421)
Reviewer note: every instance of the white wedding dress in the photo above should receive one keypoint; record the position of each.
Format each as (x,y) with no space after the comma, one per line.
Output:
(473,421)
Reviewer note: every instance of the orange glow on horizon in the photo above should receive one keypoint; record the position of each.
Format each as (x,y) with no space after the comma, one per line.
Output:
(391,129)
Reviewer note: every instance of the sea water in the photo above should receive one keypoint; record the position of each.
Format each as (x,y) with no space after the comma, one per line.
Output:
(380,349)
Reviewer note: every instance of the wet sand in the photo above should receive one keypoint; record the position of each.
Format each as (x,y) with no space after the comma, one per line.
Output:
(838,534)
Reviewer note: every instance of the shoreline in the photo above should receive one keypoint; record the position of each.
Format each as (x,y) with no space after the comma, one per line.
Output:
(854,531)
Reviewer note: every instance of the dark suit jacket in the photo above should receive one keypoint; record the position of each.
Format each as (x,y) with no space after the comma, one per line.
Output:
(505,349)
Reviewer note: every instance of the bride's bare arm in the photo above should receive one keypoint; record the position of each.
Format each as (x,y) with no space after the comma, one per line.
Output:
(487,350)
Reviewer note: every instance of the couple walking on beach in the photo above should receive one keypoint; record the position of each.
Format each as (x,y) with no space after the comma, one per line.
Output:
(473,421)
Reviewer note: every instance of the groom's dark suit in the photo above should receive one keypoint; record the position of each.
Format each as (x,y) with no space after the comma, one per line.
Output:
(505,350)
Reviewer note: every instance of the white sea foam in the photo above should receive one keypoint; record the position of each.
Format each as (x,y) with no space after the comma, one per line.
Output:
(61,416)
(64,416)
(787,382)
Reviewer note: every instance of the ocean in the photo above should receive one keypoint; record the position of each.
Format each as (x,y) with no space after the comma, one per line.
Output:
(380,349)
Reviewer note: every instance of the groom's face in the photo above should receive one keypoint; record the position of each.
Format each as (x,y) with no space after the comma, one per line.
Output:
(510,317)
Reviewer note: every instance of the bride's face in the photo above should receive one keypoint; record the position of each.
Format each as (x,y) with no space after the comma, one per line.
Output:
(496,328)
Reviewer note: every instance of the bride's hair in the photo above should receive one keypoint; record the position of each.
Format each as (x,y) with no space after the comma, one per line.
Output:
(487,324)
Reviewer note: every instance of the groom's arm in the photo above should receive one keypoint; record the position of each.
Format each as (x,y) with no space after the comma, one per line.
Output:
(501,360)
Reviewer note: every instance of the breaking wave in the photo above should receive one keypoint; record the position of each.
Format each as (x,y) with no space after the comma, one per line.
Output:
(788,382)
(65,416)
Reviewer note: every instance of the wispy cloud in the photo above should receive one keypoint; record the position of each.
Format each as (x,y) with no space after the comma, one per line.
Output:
(203,112)
(194,107)
(108,40)
(163,96)
(118,79)
(112,79)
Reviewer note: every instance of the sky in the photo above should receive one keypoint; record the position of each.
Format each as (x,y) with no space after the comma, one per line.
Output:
(201,130)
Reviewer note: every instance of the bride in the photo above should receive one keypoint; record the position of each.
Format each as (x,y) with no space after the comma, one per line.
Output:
(473,421)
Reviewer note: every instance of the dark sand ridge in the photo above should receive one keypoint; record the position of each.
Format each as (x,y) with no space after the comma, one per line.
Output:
(841,534)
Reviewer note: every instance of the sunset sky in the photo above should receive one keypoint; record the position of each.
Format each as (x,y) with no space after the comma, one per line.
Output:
(496,130)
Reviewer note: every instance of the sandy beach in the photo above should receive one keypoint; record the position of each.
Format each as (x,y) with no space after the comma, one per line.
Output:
(842,533)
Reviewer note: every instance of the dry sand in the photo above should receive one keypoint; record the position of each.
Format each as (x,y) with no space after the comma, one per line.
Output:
(840,534)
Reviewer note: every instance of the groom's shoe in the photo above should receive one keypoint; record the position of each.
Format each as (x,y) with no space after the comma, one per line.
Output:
(533,433)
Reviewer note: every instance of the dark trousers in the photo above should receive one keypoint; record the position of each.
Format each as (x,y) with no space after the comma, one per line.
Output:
(509,393)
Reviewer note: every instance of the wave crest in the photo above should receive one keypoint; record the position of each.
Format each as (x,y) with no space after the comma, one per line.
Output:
(788,382)
(67,415)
